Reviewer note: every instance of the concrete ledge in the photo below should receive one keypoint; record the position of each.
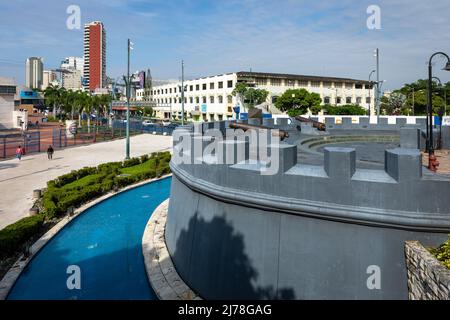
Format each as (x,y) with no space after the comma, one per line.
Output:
(161,272)
(14,272)
(428,279)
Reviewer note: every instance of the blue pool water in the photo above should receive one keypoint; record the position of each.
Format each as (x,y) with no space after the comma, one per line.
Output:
(105,242)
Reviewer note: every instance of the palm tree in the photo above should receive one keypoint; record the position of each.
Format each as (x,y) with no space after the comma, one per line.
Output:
(51,95)
(87,107)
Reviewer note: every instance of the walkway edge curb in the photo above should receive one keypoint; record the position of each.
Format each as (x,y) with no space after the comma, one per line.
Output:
(161,272)
(14,272)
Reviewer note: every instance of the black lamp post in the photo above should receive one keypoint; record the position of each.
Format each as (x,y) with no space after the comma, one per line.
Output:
(432,163)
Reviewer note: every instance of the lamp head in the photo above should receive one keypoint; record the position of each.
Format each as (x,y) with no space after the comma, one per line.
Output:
(447,66)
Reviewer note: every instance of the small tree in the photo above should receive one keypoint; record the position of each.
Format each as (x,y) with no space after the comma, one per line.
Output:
(297,101)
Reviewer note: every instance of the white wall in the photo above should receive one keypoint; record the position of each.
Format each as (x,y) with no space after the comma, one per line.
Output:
(6,110)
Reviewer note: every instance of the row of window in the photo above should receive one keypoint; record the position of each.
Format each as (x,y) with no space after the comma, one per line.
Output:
(204,99)
(304,83)
(204,86)
(348,100)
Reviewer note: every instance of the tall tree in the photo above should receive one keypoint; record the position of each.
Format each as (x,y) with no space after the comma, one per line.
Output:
(297,101)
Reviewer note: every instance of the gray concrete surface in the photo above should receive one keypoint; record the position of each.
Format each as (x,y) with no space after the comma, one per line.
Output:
(18,179)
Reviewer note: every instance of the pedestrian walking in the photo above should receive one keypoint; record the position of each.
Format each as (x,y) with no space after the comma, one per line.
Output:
(50,152)
(19,152)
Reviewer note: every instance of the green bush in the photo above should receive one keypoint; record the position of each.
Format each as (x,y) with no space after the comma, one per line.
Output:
(442,253)
(131,162)
(144,158)
(14,236)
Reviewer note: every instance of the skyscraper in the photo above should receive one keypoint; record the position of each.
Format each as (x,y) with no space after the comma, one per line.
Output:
(94,56)
(34,73)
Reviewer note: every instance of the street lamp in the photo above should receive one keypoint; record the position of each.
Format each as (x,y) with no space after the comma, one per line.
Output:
(128,86)
(370,90)
(432,162)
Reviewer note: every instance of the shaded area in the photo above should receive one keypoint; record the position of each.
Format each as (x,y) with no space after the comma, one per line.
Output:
(211,259)
(105,242)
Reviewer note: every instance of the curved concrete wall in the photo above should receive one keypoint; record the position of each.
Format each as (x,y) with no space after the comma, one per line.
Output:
(307,232)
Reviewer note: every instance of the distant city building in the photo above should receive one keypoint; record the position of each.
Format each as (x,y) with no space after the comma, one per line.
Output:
(71,79)
(9,116)
(141,84)
(49,78)
(94,74)
(211,98)
(73,63)
(34,73)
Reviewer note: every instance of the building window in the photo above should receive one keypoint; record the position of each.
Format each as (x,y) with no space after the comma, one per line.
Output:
(204,99)
(348,100)
(338,100)
(358,100)
(348,85)
(358,86)
(211,86)
(369,86)
(289,83)
(179,100)
(261,81)
(326,100)
(211,99)
(230,83)
(191,88)
(158,91)
(165,91)
(220,99)
(197,100)
(303,83)
(220,84)
(191,100)
(368,100)
(275,82)
(197,87)
(315,84)
(204,86)
(327,84)
(230,99)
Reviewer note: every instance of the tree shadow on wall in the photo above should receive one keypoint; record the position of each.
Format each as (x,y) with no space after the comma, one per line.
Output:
(211,258)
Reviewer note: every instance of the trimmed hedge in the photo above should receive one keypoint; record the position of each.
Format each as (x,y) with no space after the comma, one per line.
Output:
(69,191)
(14,236)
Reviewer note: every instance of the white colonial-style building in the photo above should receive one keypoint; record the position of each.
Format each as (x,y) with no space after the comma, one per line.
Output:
(210,98)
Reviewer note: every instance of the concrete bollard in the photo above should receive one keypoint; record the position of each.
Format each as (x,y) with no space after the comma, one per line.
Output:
(254,121)
(340,163)
(232,151)
(37,193)
(268,122)
(33,211)
(410,138)
(403,165)
(285,154)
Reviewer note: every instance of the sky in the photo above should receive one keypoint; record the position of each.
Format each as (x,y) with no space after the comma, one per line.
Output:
(323,38)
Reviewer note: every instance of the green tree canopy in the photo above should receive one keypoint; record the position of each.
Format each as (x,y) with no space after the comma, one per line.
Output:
(297,101)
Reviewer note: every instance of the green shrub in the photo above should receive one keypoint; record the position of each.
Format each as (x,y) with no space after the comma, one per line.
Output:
(131,162)
(144,158)
(14,236)
(442,253)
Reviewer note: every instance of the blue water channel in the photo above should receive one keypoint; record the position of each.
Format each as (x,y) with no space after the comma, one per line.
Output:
(105,242)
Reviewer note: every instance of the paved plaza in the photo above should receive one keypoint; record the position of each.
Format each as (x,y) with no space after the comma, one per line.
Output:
(18,179)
